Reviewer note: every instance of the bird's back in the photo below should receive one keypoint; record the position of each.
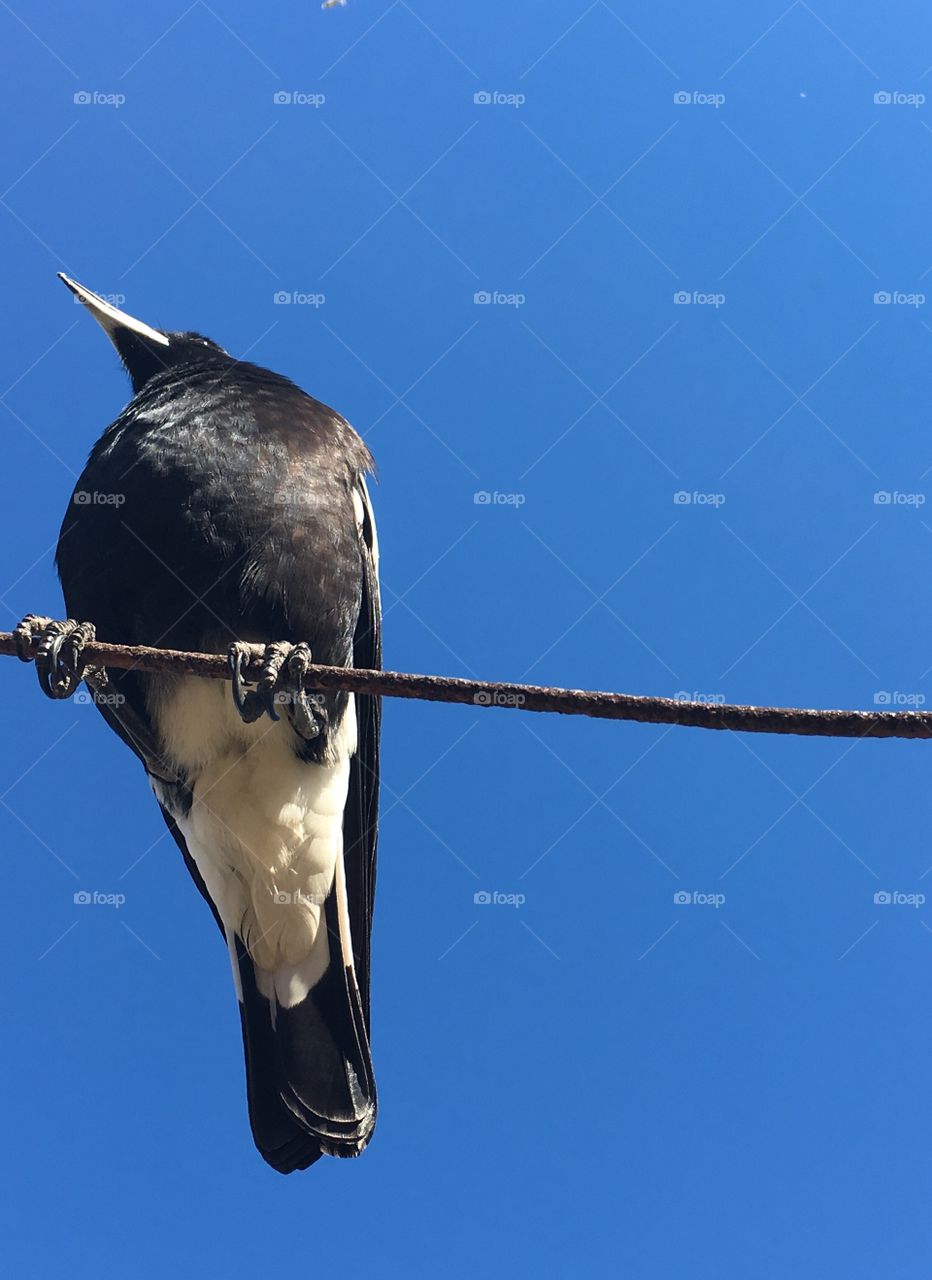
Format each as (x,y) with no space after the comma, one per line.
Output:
(225,490)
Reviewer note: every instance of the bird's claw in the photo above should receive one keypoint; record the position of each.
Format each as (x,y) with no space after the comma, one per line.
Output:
(24,635)
(280,686)
(56,646)
(252,704)
(302,708)
(243,700)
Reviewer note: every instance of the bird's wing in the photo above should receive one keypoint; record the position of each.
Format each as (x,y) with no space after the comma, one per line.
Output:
(360,817)
(127,689)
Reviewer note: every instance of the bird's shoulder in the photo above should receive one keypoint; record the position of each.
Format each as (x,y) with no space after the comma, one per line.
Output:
(231,411)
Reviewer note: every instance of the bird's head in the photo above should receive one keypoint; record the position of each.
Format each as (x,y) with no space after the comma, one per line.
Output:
(144,351)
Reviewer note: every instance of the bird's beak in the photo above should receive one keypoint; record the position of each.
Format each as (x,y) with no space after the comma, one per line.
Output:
(110,318)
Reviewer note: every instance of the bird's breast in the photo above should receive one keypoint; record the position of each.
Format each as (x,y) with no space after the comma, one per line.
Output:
(264,827)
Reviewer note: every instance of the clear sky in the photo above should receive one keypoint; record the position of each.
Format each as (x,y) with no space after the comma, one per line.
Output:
(483,215)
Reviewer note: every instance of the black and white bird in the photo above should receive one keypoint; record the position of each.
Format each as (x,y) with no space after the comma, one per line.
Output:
(224,507)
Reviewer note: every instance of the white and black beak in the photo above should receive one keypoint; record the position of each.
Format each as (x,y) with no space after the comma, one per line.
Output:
(141,348)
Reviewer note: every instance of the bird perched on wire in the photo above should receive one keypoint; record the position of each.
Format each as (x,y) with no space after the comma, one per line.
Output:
(225,507)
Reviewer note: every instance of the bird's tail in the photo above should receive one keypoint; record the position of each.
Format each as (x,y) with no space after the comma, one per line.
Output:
(309,1077)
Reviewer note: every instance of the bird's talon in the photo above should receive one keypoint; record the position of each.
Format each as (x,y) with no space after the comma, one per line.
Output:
(25,634)
(57,654)
(280,685)
(269,687)
(246,701)
(299,659)
(302,717)
(235,658)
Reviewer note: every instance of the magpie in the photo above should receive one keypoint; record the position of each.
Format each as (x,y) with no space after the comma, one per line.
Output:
(225,508)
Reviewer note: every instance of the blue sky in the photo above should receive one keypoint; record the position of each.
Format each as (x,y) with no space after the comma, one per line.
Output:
(733,1085)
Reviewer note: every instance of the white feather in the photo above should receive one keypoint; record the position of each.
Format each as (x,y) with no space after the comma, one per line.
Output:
(265,829)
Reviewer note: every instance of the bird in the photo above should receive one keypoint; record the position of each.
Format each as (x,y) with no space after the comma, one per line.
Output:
(225,508)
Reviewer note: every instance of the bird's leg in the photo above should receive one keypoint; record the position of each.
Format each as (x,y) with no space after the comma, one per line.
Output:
(280,687)
(254,703)
(303,709)
(25,633)
(58,653)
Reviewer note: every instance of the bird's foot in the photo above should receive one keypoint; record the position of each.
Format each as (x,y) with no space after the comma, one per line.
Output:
(56,647)
(280,687)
